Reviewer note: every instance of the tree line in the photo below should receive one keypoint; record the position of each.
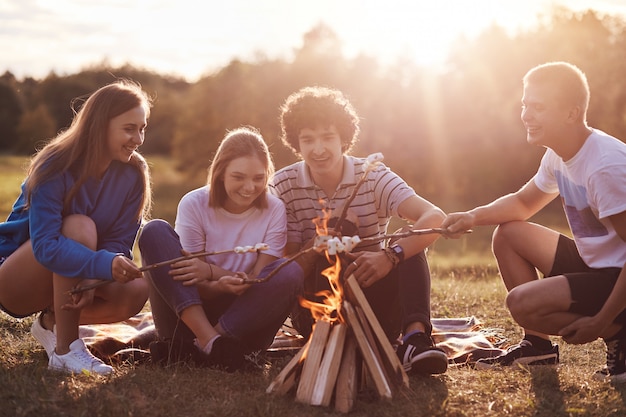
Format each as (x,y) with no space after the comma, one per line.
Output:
(454,134)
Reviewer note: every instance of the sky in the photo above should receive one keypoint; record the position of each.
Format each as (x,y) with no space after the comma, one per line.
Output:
(191,38)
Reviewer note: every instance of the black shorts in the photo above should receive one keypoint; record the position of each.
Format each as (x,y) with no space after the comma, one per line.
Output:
(590,287)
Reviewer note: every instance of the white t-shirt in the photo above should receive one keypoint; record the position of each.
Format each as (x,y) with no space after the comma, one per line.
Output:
(592,186)
(204,228)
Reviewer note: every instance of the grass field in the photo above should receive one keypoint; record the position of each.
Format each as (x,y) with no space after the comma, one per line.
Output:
(465,283)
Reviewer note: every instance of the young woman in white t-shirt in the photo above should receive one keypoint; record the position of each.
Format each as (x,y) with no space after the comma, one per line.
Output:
(203,310)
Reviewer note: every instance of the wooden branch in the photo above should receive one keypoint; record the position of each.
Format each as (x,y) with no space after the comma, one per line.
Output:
(78,290)
(329,368)
(285,380)
(367,240)
(372,341)
(346,206)
(346,385)
(278,268)
(354,293)
(408,233)
(314,354)
(381,384)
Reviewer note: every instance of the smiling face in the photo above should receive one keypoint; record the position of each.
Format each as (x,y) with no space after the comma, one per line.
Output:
(126,133)
(543,113)
(245,180)
(322,151)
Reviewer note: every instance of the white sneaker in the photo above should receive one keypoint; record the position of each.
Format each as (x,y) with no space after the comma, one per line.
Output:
(78,360)
(45,337)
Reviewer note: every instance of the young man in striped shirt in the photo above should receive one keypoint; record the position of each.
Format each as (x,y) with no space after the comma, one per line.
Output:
(320,126)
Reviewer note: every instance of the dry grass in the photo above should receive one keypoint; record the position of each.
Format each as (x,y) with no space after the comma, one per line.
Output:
(144,390)
(465,283)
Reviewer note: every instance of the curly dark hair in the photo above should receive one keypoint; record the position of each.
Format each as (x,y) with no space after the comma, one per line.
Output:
(311,107)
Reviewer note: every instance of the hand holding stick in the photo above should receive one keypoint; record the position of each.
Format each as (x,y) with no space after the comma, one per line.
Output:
(368,239)
(239,249)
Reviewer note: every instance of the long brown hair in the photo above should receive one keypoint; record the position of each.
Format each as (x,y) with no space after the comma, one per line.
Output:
(82,147)
(243,141)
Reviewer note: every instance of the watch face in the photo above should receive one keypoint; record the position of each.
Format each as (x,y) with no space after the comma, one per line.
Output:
(397,249)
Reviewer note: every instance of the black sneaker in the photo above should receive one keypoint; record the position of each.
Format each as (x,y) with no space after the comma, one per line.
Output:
(523,353)
(420,355)
(615,369)
(226,353)
(166,353)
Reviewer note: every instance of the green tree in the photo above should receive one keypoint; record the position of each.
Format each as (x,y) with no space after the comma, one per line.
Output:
(36,127)
(10,113)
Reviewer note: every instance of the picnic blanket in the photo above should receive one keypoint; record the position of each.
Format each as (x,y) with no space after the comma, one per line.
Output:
(463,339)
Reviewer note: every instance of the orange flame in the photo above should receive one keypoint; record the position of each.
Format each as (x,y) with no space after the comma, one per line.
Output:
(328,308)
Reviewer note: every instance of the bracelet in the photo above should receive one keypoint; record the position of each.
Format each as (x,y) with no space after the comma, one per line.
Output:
(392,256)
(211,269)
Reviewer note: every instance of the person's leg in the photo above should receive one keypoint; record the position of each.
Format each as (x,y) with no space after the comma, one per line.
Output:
(255,316)
(414,290)
(548,305)
(417,351)
(521,249)
(25,284)
(116,302)
(26,288)
(543,305)
(70,353)
(176,308)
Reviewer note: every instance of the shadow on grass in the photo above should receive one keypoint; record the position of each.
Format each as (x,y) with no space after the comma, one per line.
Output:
(546,387)
(620,388)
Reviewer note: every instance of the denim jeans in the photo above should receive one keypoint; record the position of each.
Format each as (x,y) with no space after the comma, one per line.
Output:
(253,317)
(399,299)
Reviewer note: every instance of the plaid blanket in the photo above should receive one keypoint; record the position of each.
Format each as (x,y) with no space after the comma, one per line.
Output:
(463,339)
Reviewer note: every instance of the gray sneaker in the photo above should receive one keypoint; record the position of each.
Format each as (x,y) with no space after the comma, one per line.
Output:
(78,360)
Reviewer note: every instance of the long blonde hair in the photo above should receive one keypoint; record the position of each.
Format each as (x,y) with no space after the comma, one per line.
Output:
(82,147)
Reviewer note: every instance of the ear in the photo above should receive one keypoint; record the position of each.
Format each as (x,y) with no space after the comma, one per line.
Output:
(575,114)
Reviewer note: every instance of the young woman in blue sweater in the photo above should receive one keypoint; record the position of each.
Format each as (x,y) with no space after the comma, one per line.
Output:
(81,205)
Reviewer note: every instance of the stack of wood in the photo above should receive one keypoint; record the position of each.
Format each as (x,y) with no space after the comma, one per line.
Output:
(343,356)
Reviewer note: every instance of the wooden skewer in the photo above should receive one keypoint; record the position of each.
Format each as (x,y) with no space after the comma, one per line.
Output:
(368,239)
(408,233)
(78,290)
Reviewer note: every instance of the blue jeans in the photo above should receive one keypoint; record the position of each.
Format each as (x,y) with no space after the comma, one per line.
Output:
(253,317)
(400,298)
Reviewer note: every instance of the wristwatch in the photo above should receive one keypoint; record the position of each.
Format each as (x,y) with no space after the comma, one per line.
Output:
(397,250)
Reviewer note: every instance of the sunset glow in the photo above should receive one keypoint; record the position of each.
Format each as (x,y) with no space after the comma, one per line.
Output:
(193,38)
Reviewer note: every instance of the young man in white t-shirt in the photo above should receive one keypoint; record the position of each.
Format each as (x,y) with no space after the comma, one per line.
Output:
(585,296)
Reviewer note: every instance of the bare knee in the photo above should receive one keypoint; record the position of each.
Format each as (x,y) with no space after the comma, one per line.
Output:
(517,303)
(80,228)
(504,234)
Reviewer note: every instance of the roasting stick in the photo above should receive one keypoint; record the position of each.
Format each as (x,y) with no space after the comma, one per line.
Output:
(239,249)
(324,245)
(371,162)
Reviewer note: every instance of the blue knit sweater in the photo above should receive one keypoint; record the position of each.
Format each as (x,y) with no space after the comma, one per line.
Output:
(111,202)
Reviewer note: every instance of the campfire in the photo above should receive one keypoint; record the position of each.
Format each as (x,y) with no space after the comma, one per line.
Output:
(347,350)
